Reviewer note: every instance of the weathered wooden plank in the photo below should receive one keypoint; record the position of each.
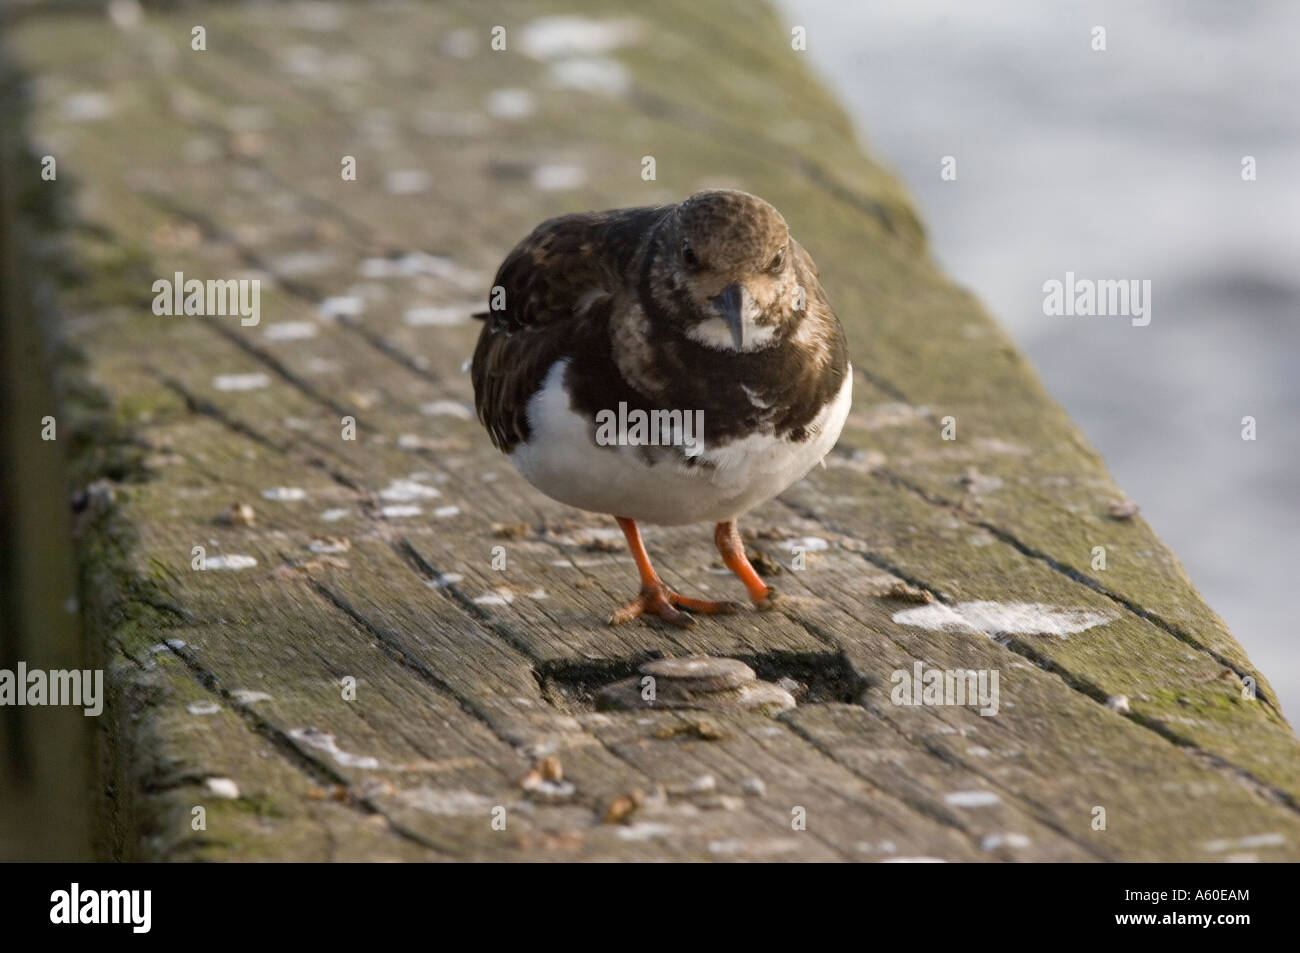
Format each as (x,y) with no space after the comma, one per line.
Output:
(228,161)
(881,663)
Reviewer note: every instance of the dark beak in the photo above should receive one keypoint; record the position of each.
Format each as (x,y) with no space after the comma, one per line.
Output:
(729,303)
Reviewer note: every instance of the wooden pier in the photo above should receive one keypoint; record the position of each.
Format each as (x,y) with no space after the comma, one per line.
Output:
(336,625)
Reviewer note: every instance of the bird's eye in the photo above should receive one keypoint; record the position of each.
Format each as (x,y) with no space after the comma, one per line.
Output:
(689,258)
(778,262)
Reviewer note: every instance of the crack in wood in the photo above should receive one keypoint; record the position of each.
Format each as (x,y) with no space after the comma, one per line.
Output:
(1074,575)
(313,768)
(1082,686)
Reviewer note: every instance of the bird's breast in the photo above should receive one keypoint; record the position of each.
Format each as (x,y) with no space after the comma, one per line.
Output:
(624,471)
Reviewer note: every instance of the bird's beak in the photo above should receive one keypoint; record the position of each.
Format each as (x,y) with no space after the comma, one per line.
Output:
(732,303)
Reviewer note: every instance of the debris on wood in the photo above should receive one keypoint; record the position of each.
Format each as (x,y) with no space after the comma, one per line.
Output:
(1122,510)
(222,787)
(545,781)
(765,564)
(906,592)
(621,809)
(330,544)
(237,514)
(510,530)
(335,792)
(756,787)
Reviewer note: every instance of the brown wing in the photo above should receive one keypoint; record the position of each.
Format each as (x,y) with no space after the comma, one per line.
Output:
(557,283)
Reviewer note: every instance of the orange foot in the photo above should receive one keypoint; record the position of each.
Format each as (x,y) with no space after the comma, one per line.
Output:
(661,601)
(727,538)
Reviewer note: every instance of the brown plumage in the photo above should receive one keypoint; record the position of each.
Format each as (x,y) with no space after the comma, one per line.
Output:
(708,305)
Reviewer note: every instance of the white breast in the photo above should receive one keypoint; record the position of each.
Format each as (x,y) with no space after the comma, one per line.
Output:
(562,460)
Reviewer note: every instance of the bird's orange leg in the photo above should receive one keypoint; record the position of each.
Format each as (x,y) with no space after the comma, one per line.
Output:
(656,598)
(727,538)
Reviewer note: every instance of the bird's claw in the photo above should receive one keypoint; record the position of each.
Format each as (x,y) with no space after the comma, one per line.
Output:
(668,605)
(766,601)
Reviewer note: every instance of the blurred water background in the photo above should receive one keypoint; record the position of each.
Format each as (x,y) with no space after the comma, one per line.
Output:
(1122,164)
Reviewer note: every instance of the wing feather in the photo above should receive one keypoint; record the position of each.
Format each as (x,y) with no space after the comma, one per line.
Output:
(558,282)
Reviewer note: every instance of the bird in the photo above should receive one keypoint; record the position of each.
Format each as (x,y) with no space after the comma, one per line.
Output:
(702,311)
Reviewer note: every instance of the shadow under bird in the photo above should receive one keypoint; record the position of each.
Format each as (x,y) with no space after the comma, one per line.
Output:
(707,310)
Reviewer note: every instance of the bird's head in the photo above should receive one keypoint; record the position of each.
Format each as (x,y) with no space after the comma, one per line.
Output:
(725,272)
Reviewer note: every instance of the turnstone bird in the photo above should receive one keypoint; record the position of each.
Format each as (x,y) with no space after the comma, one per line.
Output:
(611,335)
